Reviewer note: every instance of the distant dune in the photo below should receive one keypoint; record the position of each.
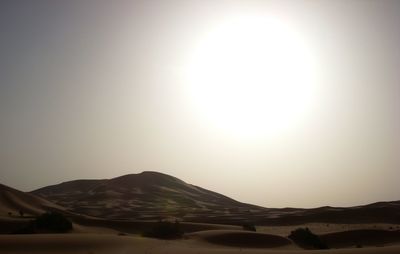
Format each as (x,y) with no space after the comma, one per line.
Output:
(148,195)
(152,195)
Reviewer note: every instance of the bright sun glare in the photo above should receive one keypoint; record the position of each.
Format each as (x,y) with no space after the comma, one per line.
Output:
(252,76)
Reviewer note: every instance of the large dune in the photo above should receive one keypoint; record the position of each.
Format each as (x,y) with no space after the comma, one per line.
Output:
(152,195)
(145,196)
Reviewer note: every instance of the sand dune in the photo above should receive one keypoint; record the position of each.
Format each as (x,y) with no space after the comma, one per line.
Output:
(65,243)
(145,196)
(12,200)
(242,239)
(100,235)
(153,195)
(112,244)
(361,238)
(138,227)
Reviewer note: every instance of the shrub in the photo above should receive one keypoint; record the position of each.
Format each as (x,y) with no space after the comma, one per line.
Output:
(305,238)
(53,221)
(165,230)
(249,227)
(48,222)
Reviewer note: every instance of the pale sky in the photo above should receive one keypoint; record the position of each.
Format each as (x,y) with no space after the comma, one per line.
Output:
(99,89)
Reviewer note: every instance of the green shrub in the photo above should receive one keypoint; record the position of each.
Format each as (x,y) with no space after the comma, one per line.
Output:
(165,230)
(305,238)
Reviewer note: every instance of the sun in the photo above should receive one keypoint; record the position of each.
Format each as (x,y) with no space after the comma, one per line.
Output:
(252,75)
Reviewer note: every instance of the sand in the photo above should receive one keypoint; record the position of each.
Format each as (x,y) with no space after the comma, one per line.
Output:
(107,244)
(93,235)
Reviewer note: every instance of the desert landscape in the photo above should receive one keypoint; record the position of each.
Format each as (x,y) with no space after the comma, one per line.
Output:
(199,126)
(151,212)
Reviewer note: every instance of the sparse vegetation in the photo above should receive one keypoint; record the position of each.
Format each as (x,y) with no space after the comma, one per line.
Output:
(165,230)
(305,238)
(48,222)
(53,221)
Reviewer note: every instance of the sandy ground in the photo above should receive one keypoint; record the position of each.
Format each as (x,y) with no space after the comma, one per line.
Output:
(105,243)
(91,236)
(325,228)
(101,236)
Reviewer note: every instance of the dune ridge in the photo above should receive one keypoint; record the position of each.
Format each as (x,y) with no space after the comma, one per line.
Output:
(152,195)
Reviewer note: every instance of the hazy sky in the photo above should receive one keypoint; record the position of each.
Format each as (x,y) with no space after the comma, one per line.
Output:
(98,89)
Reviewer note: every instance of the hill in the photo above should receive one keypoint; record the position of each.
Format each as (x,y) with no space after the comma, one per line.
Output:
(152,195)
(147,195)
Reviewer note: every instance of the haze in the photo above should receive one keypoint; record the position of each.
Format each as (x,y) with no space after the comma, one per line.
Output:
(99,89)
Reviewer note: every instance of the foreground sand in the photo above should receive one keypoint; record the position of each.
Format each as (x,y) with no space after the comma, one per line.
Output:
(106,243)
(91,236)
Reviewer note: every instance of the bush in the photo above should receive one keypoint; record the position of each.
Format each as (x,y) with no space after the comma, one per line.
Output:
(53,221)
(165,230)
(305,238)
(48,222)
(249,227)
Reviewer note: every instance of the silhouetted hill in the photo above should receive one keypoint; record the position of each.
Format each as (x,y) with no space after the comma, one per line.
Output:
(153,195)
(148,195)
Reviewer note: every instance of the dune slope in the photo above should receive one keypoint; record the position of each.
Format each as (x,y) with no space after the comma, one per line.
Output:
(13,201)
